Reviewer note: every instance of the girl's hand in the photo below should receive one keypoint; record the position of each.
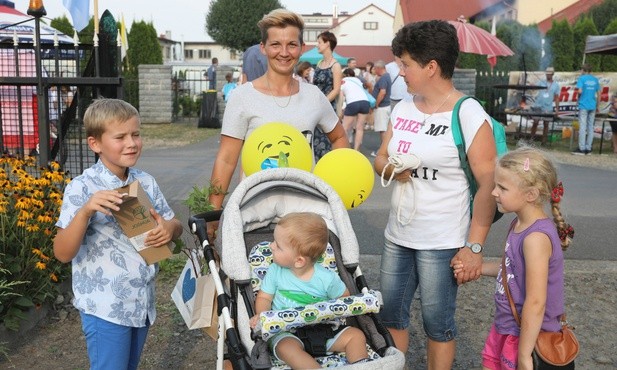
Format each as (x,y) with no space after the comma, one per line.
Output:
(525,363)
(457,266)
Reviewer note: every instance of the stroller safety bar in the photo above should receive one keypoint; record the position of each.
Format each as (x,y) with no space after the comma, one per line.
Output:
(275,321)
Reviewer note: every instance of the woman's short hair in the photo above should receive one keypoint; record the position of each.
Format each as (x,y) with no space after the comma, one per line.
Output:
(328,37)
(280,18)
(426,41)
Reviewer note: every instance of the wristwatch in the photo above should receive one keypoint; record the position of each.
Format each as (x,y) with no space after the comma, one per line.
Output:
(475,247)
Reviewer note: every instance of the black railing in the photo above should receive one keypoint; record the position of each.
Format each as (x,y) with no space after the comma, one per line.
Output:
(50,125)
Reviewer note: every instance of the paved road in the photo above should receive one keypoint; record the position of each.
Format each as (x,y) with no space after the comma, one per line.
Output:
(590,203)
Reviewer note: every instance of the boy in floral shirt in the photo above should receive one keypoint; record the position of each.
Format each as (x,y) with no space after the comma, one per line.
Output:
(112,284)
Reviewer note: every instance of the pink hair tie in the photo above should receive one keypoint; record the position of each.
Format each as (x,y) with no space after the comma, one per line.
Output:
(526,165)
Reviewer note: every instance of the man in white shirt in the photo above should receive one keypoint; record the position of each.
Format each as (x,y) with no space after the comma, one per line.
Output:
(399,87)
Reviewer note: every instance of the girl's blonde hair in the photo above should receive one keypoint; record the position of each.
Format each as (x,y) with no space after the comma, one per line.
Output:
(308,233)
(280,18)
(536,171)
(103,111)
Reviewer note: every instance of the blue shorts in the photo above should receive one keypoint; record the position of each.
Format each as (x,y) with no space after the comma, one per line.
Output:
(357,107)
(403,270)
(112,346)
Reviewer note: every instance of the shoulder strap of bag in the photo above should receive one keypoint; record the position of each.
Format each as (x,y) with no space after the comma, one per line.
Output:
(504,281)
(459,141)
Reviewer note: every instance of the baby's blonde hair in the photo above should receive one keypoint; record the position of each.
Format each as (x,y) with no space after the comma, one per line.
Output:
(536,171)
(308,233)
(102,112)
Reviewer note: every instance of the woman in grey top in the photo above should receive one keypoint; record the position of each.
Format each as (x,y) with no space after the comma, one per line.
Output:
(274,97)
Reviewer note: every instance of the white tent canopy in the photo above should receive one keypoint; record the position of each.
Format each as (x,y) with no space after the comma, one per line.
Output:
(606,44)
(15,23)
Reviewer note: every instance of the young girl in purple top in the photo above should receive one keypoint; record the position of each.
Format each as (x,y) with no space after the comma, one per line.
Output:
(525,180)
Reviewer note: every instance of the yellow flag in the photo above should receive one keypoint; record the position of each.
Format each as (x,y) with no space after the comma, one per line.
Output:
(123,38)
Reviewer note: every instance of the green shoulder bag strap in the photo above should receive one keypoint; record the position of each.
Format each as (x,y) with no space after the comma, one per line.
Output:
(459,141)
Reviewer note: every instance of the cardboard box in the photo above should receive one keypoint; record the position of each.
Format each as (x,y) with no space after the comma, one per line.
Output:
(136,221)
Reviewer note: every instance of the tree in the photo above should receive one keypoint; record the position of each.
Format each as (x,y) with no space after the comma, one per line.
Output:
(509,32)
(583,28)
(63,25)
(603,14)
(609,62)
(233,23)
(560,40)
(144,47)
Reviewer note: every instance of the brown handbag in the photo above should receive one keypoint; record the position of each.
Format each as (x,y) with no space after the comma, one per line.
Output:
(558,348)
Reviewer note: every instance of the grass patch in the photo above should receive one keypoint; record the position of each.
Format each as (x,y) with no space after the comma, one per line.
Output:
(174,134)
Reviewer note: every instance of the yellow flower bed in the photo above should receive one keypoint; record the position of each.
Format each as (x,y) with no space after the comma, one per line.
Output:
(30,201)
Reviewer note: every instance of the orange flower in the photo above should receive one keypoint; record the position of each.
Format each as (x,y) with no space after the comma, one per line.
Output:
(32,228)
(53,277)
(40,266)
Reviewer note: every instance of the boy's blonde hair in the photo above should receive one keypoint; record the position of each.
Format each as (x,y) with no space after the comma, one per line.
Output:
(280,18)
(308,233)
(535,171)
(102,112)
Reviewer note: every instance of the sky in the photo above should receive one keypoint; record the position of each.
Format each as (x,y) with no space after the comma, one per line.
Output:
(186,18)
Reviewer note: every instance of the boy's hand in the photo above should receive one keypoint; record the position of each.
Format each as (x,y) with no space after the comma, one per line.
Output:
(162,234)
(103,201)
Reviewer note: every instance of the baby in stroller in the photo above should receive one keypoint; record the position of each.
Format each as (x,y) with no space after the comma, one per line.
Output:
(295,279)
(249,225)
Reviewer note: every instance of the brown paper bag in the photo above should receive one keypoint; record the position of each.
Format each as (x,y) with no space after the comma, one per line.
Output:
(195,295)
(213,329)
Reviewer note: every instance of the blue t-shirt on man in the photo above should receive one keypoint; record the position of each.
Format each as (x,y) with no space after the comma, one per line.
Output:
(589,87)
(384,82)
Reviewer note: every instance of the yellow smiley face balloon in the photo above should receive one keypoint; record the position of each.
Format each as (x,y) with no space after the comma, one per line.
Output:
(271,144)
(349,173)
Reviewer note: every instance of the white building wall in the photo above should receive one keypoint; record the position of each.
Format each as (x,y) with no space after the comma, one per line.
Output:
(356,30)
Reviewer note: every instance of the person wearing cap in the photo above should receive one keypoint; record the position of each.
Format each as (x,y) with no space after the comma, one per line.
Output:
(544,103)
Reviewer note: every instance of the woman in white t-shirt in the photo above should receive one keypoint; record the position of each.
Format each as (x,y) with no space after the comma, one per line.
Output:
(430,222)
(356,107)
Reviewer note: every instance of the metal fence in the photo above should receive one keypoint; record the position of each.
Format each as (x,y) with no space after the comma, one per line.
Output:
(44,91)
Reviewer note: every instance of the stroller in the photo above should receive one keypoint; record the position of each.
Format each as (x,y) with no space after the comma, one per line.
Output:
(247,226)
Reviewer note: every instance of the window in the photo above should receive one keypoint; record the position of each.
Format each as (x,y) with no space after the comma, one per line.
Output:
(370,25)
(310,35)
(233,55)
(188,54)
(205,54)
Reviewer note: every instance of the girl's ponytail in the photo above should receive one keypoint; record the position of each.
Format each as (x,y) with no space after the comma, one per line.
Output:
(565,230)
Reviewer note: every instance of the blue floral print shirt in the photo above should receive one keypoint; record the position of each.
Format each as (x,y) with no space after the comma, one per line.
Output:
(110,279)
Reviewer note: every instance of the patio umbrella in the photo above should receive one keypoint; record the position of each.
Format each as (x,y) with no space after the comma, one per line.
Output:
(312,56)
(475,40)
